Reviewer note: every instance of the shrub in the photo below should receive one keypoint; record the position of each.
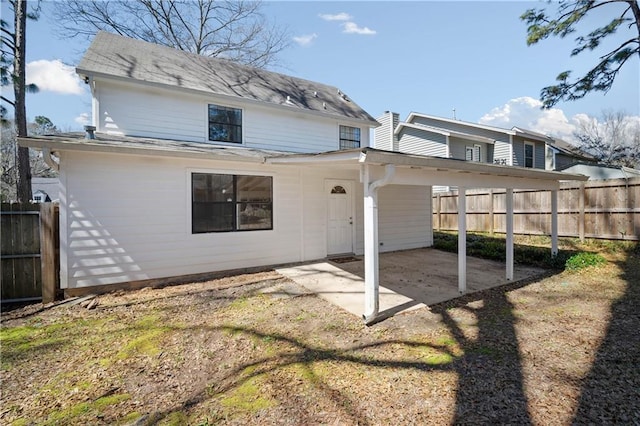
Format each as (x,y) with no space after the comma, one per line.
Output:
(584,260)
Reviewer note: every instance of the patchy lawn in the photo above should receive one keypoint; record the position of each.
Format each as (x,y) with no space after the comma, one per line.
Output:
(256,349)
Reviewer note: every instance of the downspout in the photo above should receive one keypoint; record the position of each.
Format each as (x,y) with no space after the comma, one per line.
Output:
(371,267)
(48,159)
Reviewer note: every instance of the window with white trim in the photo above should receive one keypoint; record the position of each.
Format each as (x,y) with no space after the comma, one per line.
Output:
(529,155)
(473,153)
(226,203)
(349,137)
(225,124)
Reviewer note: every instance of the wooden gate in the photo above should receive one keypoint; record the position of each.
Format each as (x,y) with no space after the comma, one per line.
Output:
(29,252)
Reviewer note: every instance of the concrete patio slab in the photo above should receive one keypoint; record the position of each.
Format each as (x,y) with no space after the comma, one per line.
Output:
(408,279)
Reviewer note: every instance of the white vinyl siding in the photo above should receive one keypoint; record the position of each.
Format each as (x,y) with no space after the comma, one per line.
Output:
(135,110)
(127,217)
(404,217)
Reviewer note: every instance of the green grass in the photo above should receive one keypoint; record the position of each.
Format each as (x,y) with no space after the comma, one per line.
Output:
(584,260)
(77,412)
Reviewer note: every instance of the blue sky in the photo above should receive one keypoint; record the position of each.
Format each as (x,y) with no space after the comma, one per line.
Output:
(429,57)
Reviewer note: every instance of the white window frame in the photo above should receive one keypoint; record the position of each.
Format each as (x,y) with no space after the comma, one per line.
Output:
(533,155)
(476,152)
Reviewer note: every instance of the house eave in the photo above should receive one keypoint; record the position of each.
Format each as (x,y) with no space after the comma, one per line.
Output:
(57,144)
(464,123)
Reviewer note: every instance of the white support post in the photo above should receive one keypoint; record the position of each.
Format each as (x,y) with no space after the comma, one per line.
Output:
(509,222)
(462,239)
(371,284)
(554,222)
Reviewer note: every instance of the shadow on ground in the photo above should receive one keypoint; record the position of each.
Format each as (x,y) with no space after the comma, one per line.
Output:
(611,391)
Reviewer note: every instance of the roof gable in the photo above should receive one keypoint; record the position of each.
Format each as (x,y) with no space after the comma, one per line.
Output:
(460,123)
(121,57)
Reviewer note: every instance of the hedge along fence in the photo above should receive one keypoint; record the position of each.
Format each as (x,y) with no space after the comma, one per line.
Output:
(608,209)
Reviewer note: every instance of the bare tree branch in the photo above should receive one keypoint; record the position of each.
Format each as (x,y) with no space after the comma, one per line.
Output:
(231,29)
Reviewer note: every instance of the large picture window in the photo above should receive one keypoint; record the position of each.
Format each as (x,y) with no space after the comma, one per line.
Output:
(225,124)
(225,203)
(349,137)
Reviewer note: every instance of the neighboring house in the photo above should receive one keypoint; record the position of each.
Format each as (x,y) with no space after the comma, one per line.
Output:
(442,137)
(560,155)
(602,172)
(45,189)
(200,165)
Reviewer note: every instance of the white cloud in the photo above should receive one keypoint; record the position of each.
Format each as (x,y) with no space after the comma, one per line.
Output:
(82,119)
(525,112)
(353,28)
(305,40)
(54,76)
(342,16)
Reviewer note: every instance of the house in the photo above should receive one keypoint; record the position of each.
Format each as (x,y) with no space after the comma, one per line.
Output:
(443,137)
(601,172)
(44,189)
(194,165)
(561,155)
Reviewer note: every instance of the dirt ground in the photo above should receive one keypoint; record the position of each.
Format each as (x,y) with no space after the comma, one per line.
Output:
(258,349)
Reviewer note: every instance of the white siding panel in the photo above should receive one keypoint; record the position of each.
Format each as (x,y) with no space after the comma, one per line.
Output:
(120,227)
(168,114)
(269,130)
(126,217)
(404,217)
(150,113)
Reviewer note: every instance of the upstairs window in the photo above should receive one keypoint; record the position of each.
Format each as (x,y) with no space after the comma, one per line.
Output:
(529,158)
(349,137)
(473,153)
(226,203)
(225,124)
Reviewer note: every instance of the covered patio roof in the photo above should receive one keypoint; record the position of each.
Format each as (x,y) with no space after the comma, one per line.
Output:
(381,168)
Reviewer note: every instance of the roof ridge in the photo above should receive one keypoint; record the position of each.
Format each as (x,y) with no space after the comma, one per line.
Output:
(116,56)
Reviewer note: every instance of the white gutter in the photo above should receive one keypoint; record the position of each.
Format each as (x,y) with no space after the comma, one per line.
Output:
(371,249)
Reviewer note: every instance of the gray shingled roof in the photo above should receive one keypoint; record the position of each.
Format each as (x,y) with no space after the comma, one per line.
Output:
(114,55)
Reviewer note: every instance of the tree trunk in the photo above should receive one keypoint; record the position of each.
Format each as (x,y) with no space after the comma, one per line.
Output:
(24,169)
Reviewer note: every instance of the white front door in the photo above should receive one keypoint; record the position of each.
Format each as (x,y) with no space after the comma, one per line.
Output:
(339,216)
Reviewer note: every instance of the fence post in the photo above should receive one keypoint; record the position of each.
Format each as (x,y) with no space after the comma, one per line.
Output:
(581,215)
(48,226)
(491,207)
(438,208)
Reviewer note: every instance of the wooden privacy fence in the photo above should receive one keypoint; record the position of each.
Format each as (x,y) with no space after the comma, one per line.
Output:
(594,209)
(29,252)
